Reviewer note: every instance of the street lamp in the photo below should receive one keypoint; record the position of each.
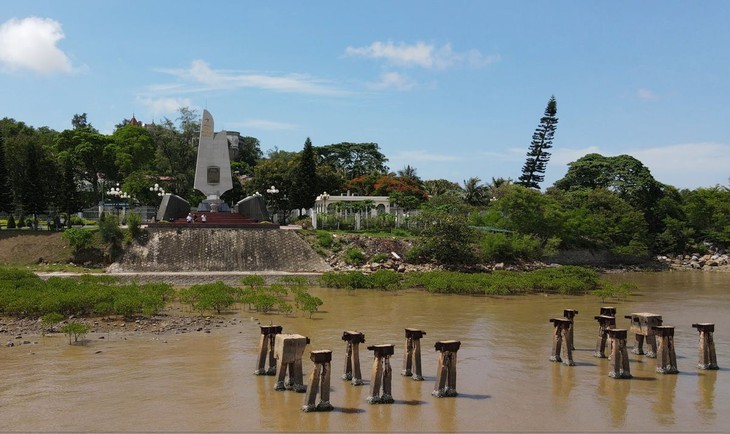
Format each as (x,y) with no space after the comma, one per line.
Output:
(272,191)
(325,196)
(157,189)
(115,192)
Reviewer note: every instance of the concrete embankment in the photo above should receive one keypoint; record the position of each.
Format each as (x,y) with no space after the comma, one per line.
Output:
(222,250)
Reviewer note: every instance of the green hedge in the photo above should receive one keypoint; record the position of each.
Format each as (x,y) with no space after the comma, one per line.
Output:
(563,280)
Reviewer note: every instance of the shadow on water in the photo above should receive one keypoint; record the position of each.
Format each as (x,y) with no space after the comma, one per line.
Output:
(348,410)
(636,378)
(411,402)
(473,396)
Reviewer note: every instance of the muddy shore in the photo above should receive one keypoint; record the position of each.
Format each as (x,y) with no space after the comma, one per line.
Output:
(174,320)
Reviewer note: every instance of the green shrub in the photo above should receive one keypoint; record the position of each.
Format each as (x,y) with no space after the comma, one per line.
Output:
(564,280)
(75,220)
(21,222)
(75,330)
(134,224)
(210,296)
(379,258)
(78,239)
(324,239)
(347,279)
(22,293)
(253,280)
(354,256)
(11,222)
(609,290)
(385,279)
(51,319)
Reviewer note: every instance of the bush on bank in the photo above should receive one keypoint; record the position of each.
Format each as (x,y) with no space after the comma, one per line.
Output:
(23,294)
(568,280)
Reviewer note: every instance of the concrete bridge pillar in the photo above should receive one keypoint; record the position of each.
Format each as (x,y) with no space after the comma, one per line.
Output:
(562,327)
(708,358)
(605,322)
(266,348)
(608,311)
(666,361)
(412,356)
(382,375)
(570,314)
(642,327)
(619,354)
(352,357)
(319,382)
(288,351)
(446,374)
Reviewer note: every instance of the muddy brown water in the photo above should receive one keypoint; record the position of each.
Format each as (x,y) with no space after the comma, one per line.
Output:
(198,382)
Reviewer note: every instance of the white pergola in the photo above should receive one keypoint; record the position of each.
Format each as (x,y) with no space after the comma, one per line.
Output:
(380,203)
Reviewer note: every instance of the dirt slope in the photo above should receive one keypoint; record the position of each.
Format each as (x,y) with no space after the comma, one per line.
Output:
(32,247)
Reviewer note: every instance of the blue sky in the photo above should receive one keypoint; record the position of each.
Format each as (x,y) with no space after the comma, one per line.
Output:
(453,88)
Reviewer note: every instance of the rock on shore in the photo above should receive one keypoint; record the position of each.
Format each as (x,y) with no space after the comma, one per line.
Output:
(714,261)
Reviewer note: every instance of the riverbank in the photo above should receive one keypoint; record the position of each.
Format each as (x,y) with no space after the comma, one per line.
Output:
(174,320)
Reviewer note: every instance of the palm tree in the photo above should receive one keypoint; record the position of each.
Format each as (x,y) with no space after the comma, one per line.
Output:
(475,194)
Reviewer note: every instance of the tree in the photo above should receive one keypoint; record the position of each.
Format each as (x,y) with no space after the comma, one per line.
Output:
(708,214)
(441,187)
(80,122)
(446,238)
(304,186)
(174,157)
(625,176)
(33,190)
(92,158)
(132,148)
(527,211)
(537,155)
(475,193)
(6,194)
(249,151)
(599,219)
(75,330)
(353,159)
(68,199)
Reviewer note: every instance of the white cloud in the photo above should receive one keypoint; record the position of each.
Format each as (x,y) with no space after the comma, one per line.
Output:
(688,165)
(262,124)
(421,54)
(30,43)
(418,156)
(393,80)
(646,95)
(164,106)
(559,155)
(201,77)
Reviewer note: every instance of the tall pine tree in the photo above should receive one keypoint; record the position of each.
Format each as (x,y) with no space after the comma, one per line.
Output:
(6,194)
(537,155)
(304,187)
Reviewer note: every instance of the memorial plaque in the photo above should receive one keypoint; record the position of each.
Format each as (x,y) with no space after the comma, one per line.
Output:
(214,175)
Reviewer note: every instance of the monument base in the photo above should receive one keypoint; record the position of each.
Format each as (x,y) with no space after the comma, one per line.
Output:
(213,205)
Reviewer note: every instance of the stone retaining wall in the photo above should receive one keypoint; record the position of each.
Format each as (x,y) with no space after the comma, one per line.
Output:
(219,250)
(190,278)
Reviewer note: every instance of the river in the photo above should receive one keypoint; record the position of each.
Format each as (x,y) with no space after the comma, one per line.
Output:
(204,382)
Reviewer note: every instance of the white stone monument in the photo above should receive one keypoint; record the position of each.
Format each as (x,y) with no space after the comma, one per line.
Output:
(213,167)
